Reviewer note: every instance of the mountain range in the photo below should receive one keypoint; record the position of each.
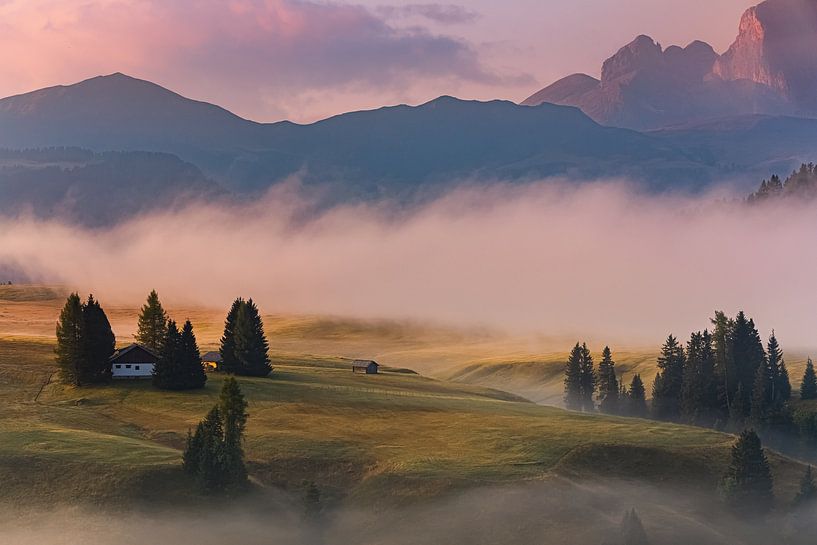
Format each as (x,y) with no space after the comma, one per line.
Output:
(670,119)
(770,69)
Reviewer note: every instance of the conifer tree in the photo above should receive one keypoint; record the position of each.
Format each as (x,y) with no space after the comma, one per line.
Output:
(725,373)
(192,451)
(632,530)
(229,360)
(233,407)
(100,343)
(738,409)
(778,374)
(637,401)
(70,351)
(573,383)
(168,373)
(808,387)
(666,395)
(608,383)
(152,325)
(211,474)
(808,489)
(748,355)
(588,380)
(747,485)
(699,392)
(192,368)
(251,346)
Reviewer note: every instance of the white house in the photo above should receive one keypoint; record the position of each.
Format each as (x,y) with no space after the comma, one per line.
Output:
(133,362)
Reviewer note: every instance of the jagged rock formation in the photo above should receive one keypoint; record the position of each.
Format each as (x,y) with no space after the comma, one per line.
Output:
(770,69)
(777,47)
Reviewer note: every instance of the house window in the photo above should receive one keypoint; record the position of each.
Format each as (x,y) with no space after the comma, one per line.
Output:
(127,367)
(136,367)
(119,366)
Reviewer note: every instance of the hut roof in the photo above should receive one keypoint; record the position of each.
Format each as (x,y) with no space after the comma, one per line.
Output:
(213,357)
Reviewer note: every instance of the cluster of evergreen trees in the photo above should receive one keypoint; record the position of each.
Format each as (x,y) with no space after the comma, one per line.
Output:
(244,346)
(800,184)
(584,385)
(724,379)
(179,366)
(214,454)
(85,342)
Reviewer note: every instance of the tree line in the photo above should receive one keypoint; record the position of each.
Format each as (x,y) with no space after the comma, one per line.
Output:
(801,184)
(86,344)
(725,379)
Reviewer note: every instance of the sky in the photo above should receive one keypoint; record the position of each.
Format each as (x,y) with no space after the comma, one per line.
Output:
(302,60)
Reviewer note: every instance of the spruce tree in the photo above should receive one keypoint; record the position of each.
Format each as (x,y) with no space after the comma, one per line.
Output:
(747,485)
(168,373)
(573,379)
(192,452)
(808,489)
(808,387)
(588,380)
(233,407)
(192,368)
(211,474)
(699,392)
(725,372)
(666,395)
(152,325)
(748,355)
(608,383)
(251,346)
(70,350)
(778,374)
(229,360)
(637,403)
(100,343)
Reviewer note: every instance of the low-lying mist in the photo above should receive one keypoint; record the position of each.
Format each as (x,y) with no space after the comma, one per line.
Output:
(552,512)
(597,260)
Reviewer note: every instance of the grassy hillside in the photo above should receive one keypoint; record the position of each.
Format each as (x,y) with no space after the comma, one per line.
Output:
(368,442)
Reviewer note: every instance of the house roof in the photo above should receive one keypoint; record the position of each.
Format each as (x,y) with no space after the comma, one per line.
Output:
(213,357)
(122,351)
(364,363)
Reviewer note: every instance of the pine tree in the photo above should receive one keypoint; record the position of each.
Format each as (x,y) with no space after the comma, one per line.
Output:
(778,374)
(168,373)
(100,343)
(70,351)
(725,373)
(588,380)
(699,392)
(666,395)
(808,489)
(573,379)
(251,346)
(747,485)
(233,407)
(608,383)
(748,355)
(808,387)
(637,398)
(192,452)
(152,323)
(211,474)
(229,360)
(632,530)
(761,393)
(192,368)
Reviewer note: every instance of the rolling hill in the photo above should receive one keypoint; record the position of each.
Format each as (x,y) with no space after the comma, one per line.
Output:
(393,455)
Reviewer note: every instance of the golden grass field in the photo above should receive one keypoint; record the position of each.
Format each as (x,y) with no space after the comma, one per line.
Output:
(390,439)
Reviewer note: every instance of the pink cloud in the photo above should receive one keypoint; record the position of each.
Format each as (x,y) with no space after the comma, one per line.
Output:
(250,55)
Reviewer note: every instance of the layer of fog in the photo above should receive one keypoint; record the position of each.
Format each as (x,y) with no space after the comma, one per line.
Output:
(550,512)
(597,261)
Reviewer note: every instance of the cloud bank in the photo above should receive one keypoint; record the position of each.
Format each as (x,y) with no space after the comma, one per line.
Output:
(596,261)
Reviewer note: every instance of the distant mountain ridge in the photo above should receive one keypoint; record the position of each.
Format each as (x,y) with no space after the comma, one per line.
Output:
(770,69)
(147,145)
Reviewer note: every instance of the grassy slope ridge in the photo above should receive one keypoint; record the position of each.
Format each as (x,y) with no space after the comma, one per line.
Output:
(364,439)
